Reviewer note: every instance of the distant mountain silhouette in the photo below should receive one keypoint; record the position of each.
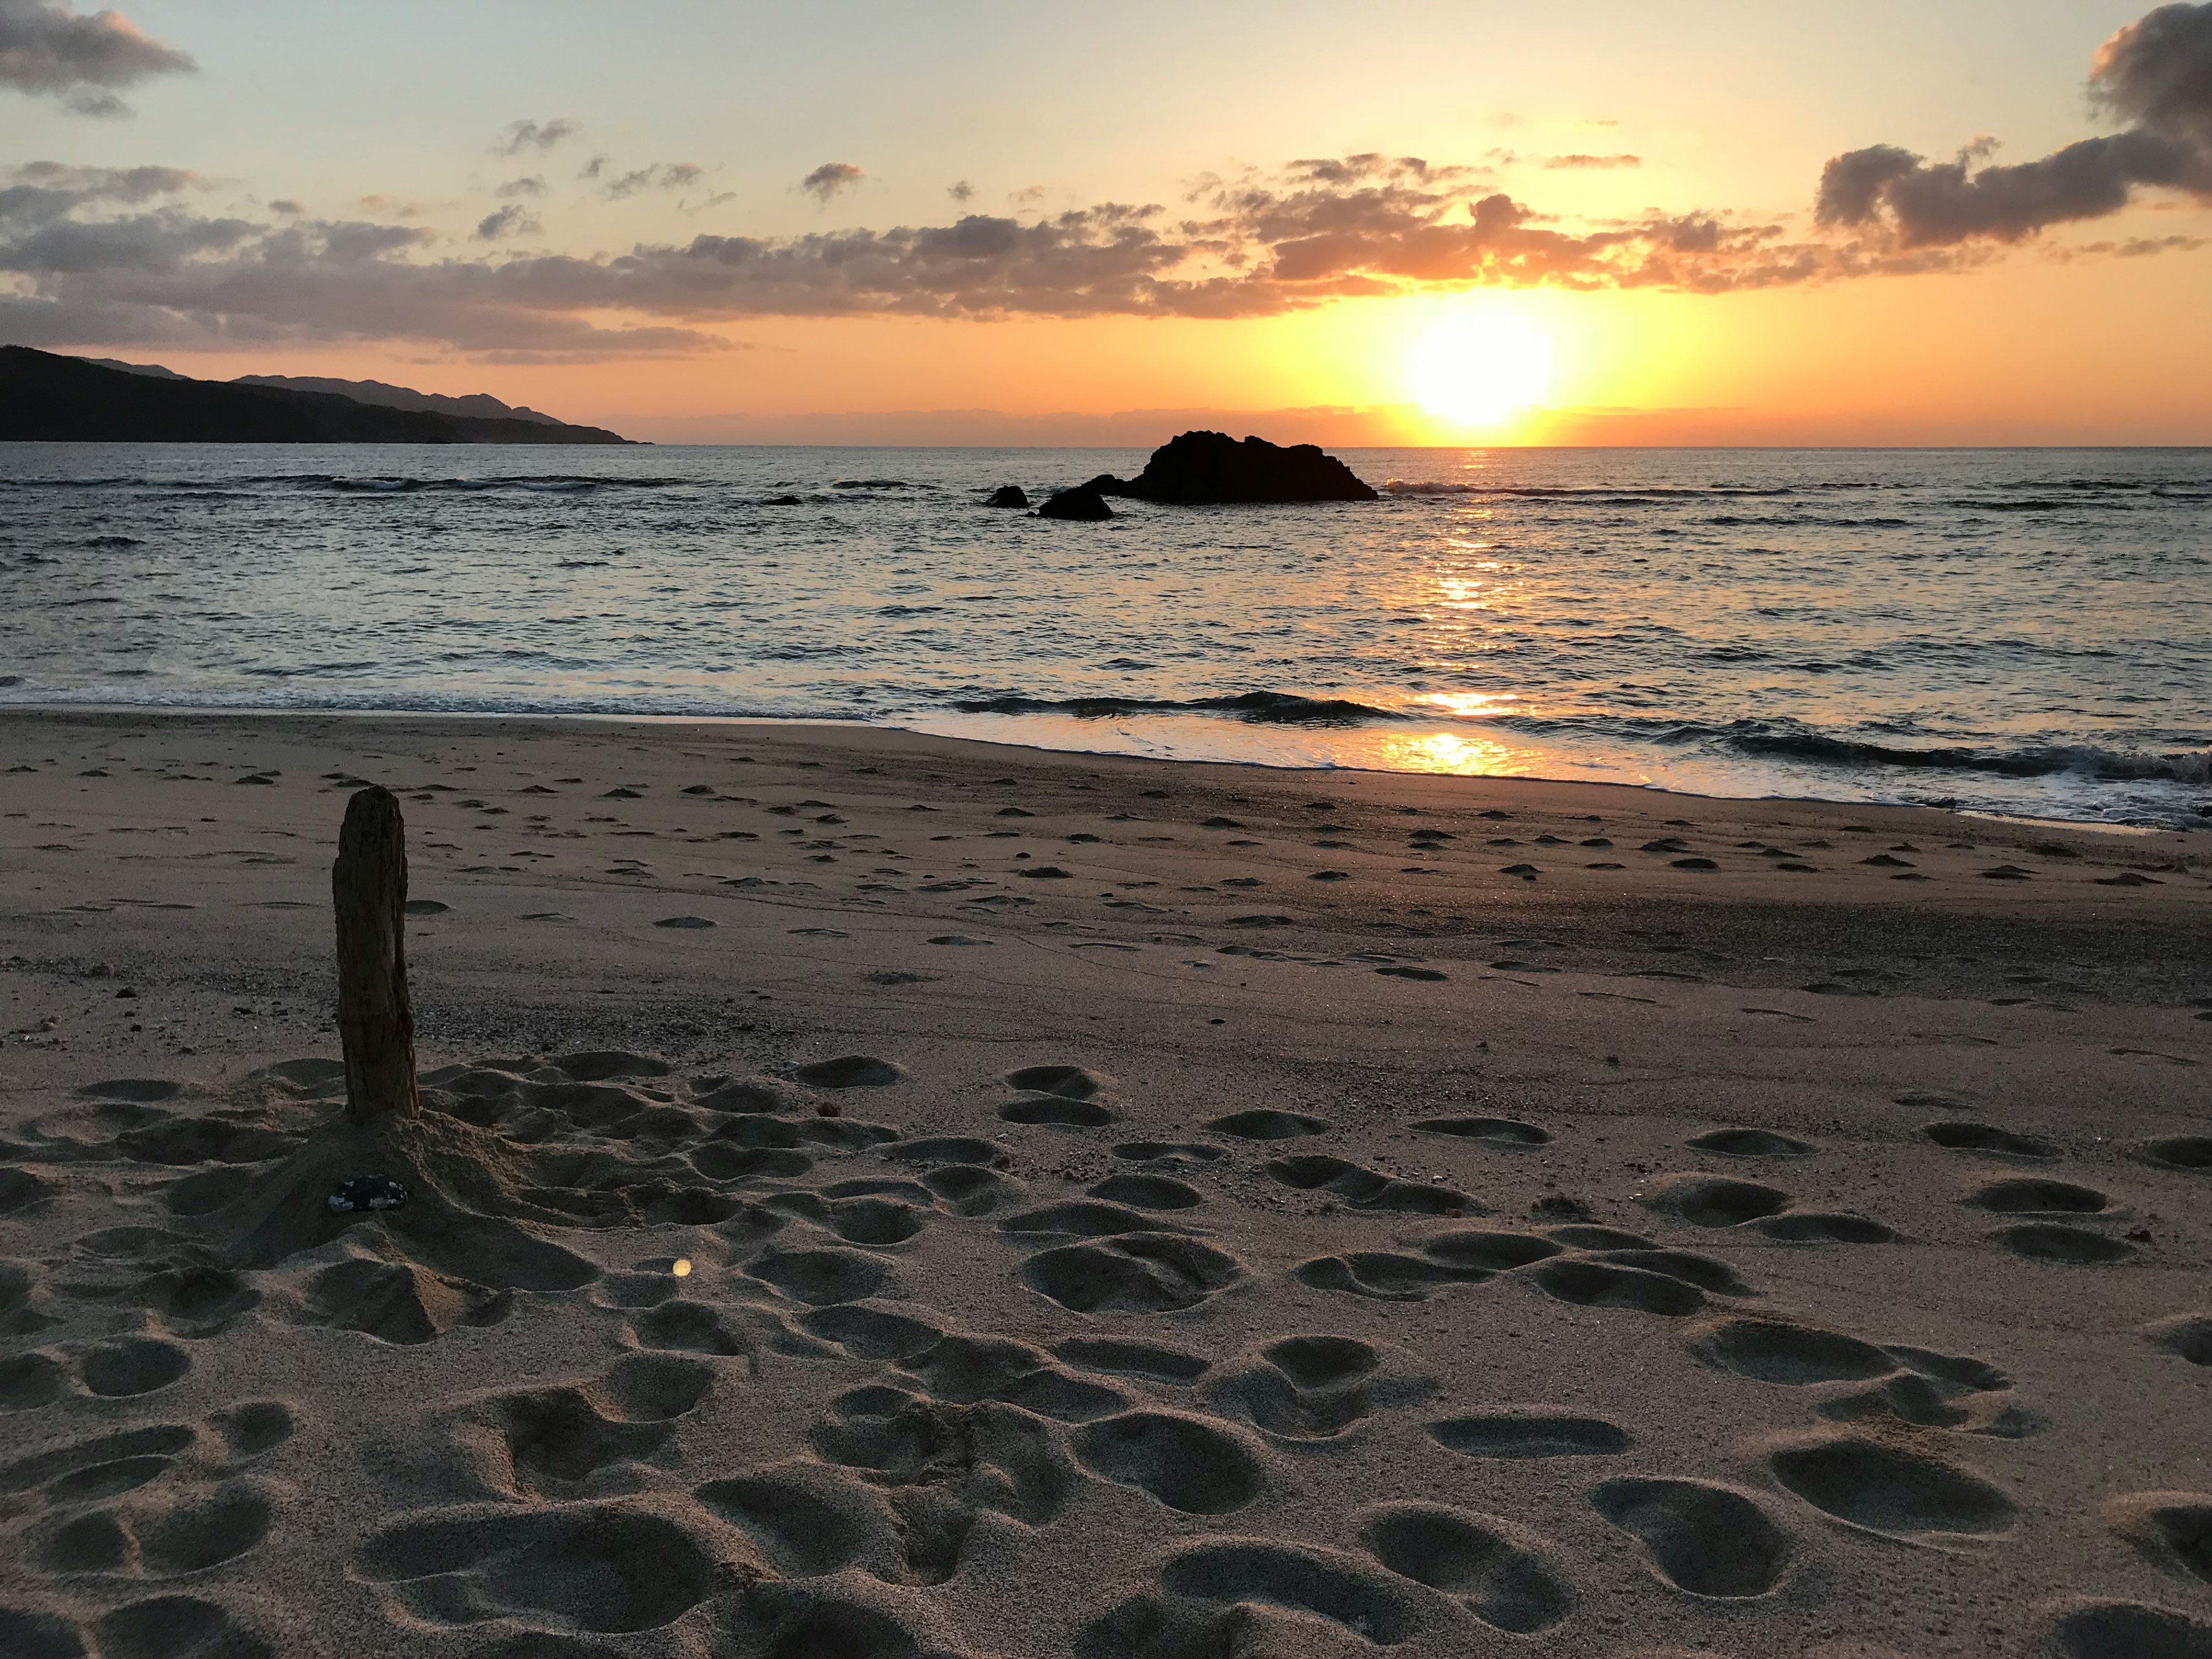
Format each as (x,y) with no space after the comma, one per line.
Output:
(476,405)
(45,397)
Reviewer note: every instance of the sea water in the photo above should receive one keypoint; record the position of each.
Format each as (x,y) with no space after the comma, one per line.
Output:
(2020,631)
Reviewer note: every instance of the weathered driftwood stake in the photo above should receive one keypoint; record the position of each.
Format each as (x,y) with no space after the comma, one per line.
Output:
(368,885)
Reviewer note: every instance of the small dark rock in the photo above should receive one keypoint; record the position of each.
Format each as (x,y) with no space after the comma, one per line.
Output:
(1081,502)
(1008,495)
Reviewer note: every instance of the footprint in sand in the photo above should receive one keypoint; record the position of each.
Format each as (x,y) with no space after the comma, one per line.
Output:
(1060,1112)
(1895,1490)
(1070,1081)
(1317,1388)
(1190,1463)
(580,1439)
(1119,1357)
(1170,1151)
(605,1568)
(1459,1258)
(1702,1538)
(849,1071)
(1147,1192)
(1751,1143)
(1521,1435)
(983,1455)
(1895,1385)
(1501,1133)
(2038,1197)
(1268,1123)
(1717,1202)
(2127,1629)
(1504,1576)
(1591,1282)
(2056,1243)
(1960,1136)
(2191,1152)
(2186,1336)
(1206,1595)
(1360,1189)
(1144,1272)
(2172,1530)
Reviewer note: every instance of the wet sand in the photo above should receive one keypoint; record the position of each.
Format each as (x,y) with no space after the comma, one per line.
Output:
(1128,1209)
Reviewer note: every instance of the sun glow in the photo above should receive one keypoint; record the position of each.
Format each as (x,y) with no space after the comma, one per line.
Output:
(1480,365)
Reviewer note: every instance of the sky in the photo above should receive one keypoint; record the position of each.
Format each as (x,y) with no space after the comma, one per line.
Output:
(1771,221)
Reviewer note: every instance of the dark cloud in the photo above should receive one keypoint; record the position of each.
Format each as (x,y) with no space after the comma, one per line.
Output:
(533,185)
(661,175)
(1557,163)
(2155,73)
(47,47)
(961,191)
(512,220)
(1370,165)
(826,180)
(539,135)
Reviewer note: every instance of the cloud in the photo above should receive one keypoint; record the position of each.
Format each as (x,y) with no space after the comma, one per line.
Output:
(826,180)
(120,257)
(46,46)
(513,220)
(94,256)
(533,185)
(961,191)
(594,168)
(1557,163)
(661,175)
(2155,73)
(539,135)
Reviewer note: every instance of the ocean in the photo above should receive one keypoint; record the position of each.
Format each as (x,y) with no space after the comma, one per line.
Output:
(2025,632)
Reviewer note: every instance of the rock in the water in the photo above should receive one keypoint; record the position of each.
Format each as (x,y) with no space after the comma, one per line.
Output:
(1008,495)
(1204,469)
(1084,502)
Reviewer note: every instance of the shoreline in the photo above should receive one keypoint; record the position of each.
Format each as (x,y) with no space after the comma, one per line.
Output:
(801,723)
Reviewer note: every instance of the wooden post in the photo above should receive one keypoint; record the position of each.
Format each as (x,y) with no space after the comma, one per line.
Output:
(368,885)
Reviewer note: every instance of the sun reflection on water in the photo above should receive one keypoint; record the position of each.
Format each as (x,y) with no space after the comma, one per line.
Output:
(1448,752)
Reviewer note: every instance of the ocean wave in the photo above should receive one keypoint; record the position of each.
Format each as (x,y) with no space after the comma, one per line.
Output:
(1808,521)
(1260,708)
(2192,767)
(1789,741)
(878,484)
(274,696)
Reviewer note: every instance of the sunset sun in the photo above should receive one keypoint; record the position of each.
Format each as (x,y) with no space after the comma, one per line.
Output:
(1479,366)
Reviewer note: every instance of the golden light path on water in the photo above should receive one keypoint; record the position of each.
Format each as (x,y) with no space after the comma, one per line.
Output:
(1414,747)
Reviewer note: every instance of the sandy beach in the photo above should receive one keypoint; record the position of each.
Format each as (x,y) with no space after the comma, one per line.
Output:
(880,1195)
